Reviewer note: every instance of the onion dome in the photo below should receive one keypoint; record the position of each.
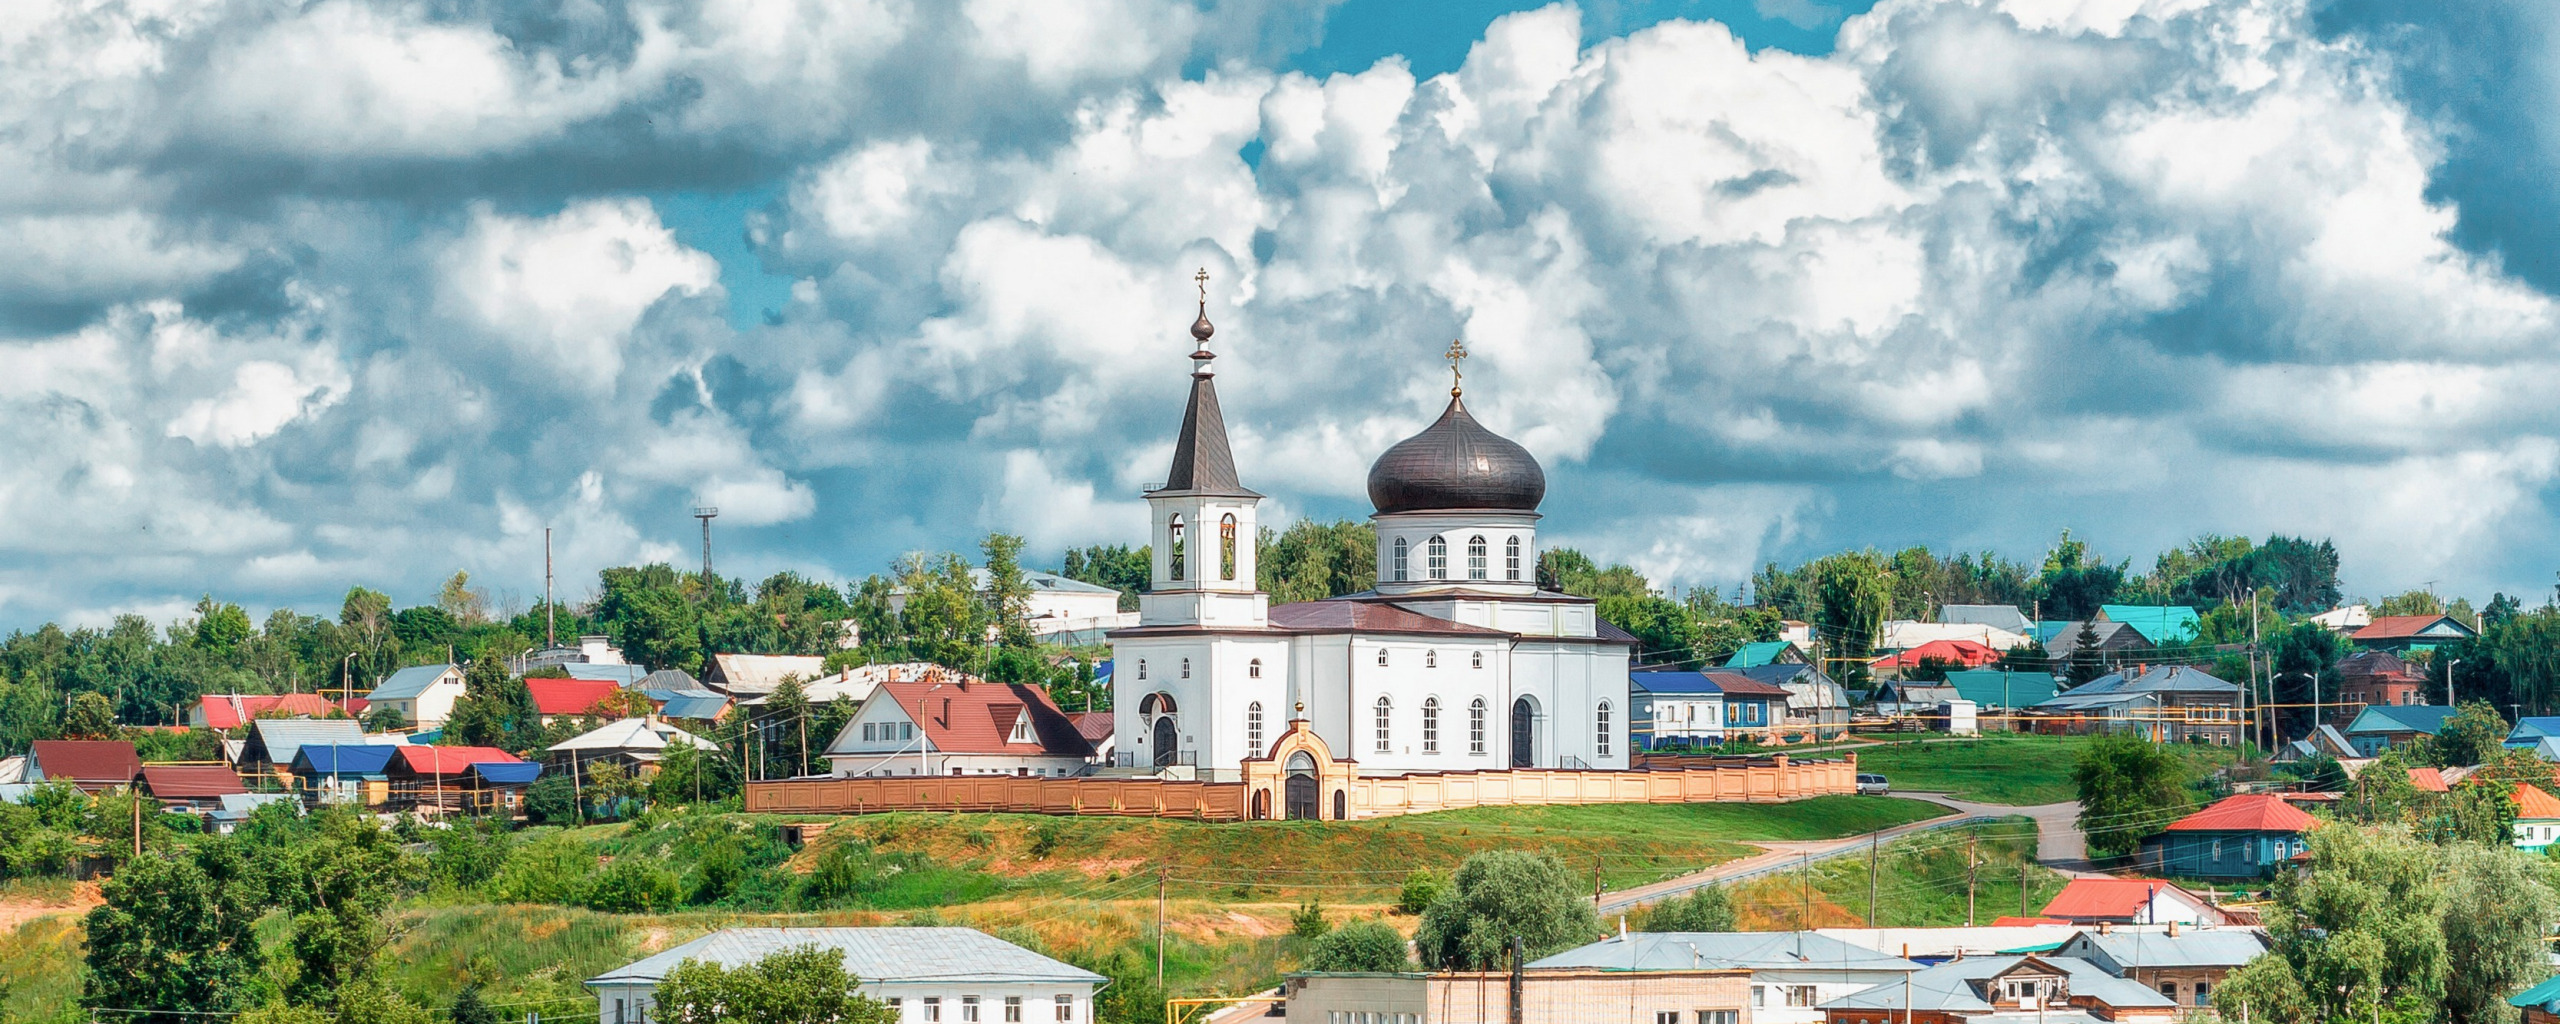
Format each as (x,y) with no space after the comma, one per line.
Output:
(1456,464)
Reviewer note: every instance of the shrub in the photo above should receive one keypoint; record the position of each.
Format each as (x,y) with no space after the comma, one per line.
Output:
(550,870)
(467,856)
(1705,909)
(1421,889)
(1496,896)
(1308,921)
(551,800)
(631,886)
(1360,946)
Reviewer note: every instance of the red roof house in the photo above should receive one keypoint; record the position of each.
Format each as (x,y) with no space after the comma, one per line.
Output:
(193,788)
(2403,632)
(437,779)
(2130,901)
(2248,812)
(2428,780)
(959,725)
(93,765)
(420,759)
(233,710)
(557,697)
(1958,653)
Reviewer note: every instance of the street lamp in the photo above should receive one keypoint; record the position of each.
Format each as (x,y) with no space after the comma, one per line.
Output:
(346,681)
(2315,697)
(2448,683)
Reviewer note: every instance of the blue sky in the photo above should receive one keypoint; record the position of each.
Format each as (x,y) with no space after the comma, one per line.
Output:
(356,292)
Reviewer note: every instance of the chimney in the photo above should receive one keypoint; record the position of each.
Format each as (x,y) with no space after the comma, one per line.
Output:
(2173,929)
(2105,927)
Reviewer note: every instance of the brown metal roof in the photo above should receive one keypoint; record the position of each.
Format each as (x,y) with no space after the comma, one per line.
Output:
(190,781)
(89,764)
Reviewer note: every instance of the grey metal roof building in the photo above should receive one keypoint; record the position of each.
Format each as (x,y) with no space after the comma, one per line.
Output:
(874,955)
(1682,951)
(276,740)
(1996,616)
(408,682)
(2120,951)
(1956,987)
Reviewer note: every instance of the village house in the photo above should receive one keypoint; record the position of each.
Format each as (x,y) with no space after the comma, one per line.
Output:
(2245,836)
(2406,633)
(2541,1003)
(1998,616)
(637,744)
(483,780)
(1703,708)
(226,711)
(744,676)
(2537,818)
(190,788)
(273,742)
(2381,728)
(1817,708)
(2118,644)
(958,725)
(2376,678)
(2531,730)
(1904,635)
(556,698)
(332,773)
(422,694)
(1791,973)
(925,975)
(95,766)
(2092,901)
(2160,625)
(2182,965)
(1555,995)
(2166,704)
(2053,990)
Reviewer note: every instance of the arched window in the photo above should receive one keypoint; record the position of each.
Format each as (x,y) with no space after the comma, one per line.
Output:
(1253,669)
(1173,550)
(1479,660)
(1382,657)
(1439,560)
(1431,725)
(1253,728)
(1398,566)
(1475,726)
(1475,557)
(1142,668)
(1385,716)
(1511,559)
(1227,547)
(1601,718)
(1186,668)
(1431,659)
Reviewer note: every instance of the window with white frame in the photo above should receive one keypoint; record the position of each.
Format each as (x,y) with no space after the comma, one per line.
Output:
(1253,726)
(968,1010)
(1439,558)
(1022,729)
(932,1009)
(1511,559)
(1382,657)
(869,731)
(1431,725)
(1013,1010)
(1719,1017)
(1601,720)
(1475,726)
(1666,1017)
(1396,560)
(1475,557)
(1386,733)
(1800,995)
(1227,547)
(1066,1009)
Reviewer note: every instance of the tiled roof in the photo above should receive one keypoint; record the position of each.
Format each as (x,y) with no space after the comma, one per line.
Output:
(407,683)
(973,716)
(569,696)
(86,763)
(2248,812)
(2532,802)
(2428,780)
(418,760)
(873,955)
(232,710)
(1366,617)
(183,781)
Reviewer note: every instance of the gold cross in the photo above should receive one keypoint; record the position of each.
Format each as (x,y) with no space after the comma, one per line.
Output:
(1203,278)
(1456,355)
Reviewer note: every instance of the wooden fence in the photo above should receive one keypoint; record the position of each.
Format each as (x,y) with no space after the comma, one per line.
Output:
(1729,780)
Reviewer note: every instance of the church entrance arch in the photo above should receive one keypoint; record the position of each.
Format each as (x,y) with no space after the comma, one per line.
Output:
(1261,805)
(1299,788)
(1163,733)
(1524,733)
(1167,742)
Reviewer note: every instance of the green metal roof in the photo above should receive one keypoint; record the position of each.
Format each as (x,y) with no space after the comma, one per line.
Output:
(1754,655)
(2160,624)
(2002,688)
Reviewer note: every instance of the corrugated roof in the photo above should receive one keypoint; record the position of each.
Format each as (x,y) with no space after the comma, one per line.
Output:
(874,955)
(2428,780)
(343,759)
(620,675)
(1754,655)
(407,683)
(2545,996)
(88,764)
(2532,802)
(448,760)
(632,734)
(1952,652)
(570,696)
(760,673)
(2531,728)
(232,710)
(1094,726)
(2247,812)
(190,781)
(1996,616)
(2093,898)
(284,737)
(2396,627)
(1673,951)
(668,679)
(704,707)
(506,773)
(2389,718)
(2160,624)
(1951,986)
(2190,948)
(1995,688)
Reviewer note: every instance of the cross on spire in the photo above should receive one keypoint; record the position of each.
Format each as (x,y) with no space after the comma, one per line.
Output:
(1456,355)
(1203,278)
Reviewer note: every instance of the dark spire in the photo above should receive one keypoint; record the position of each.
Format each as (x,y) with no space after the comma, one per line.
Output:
(1202,462)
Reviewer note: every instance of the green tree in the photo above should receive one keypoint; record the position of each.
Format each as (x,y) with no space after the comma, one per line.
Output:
(1498,896)
(1421,889)
(1008,591)
(2498,905)
(1308,921)
(1360,946)
(2474,735)
(337,890)
(2085,662)
(1312,561)
(2129,788)
(90,716)
(469,1008)
(688,774)
(1704,909)
(220,628)
(175,936)
(496,709)
(2361,933)
(1130,570)
(803,985)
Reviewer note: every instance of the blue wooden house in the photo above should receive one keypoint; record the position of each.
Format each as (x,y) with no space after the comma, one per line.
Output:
(2247,836)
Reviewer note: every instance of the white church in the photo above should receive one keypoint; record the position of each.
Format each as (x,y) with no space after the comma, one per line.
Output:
(1456,662)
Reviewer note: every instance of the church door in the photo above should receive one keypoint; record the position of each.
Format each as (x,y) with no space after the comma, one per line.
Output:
(1524,739)
(1299,791)
(1168,749)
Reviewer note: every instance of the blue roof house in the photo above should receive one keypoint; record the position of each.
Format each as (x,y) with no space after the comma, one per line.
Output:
(1701,708)
(342,773)
(2159,624)
(2531,730)
(2384,726)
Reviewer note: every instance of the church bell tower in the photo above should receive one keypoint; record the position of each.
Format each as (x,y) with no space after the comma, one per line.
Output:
(1203,525)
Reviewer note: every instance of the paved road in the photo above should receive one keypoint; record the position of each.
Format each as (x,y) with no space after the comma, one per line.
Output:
(2059,846)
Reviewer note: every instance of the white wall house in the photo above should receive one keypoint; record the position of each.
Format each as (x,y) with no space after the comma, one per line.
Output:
(947,723)
(423,694)
(1792,973)
(1457,661)
(926,975)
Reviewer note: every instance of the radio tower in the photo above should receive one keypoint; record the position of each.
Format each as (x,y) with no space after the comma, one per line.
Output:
(706,513)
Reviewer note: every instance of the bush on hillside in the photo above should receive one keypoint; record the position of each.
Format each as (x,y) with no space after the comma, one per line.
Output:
(1421,889)
(548,870)
(1307,922)
(631,886)
(1705,909)
(1498,895)
(1360,946)
(551,800)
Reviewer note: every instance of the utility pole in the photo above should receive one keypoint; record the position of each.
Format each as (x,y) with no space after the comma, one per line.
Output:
(1875,845)
(1804,918)
(2022,888)
(550,622)
(1160,883)
(706,513)
(1969,865)
(1595,878)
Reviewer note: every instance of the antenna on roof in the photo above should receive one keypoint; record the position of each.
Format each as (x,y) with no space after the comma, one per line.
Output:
(706,513)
